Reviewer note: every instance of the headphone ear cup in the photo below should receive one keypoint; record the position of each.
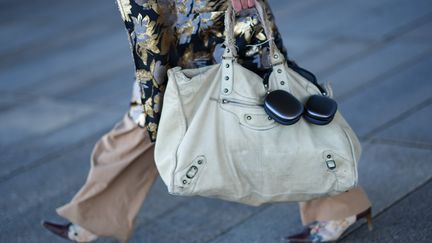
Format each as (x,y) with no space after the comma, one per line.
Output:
(320,110)
(283,107)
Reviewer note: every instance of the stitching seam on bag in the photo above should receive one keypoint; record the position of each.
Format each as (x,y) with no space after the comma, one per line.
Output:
(354,171)
(183,127)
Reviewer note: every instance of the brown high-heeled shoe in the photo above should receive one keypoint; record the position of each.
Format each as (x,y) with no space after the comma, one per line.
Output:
(69,231)
(61,230)
(328,231)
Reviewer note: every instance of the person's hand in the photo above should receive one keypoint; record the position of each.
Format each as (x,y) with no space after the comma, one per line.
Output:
(242,4)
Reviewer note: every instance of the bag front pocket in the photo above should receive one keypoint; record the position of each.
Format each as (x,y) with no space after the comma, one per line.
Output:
(250,114)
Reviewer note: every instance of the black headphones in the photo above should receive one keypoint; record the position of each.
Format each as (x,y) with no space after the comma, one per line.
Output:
(286,109)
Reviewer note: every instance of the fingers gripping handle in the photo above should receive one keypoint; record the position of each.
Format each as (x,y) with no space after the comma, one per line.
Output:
(231,50)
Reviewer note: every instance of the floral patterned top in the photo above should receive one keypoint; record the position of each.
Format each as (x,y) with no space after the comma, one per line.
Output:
(187,33)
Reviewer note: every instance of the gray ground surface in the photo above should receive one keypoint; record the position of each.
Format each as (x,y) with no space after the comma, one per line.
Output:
(66,75)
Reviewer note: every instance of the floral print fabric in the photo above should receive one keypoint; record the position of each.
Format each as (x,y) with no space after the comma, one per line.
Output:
(187,33)
(331,230)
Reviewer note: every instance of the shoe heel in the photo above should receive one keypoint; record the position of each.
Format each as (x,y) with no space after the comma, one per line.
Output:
(369,220)
(368,215)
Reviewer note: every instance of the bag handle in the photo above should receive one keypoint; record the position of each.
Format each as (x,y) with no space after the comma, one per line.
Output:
(228,58)
(231,51)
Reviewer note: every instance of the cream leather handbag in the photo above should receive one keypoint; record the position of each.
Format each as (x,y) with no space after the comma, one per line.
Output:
(216,140)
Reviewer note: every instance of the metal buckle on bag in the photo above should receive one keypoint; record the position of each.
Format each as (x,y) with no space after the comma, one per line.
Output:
(192,171)
(330,162)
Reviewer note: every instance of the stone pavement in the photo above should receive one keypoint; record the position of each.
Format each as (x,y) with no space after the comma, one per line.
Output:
(66,75)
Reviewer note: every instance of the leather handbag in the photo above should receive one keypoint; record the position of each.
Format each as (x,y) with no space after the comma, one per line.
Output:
(215,138)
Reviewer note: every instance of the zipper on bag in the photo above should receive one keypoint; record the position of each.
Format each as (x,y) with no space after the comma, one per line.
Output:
(235,102)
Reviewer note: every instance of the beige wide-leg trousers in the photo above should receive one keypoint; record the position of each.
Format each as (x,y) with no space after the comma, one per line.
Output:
(123,171)
(121,174)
